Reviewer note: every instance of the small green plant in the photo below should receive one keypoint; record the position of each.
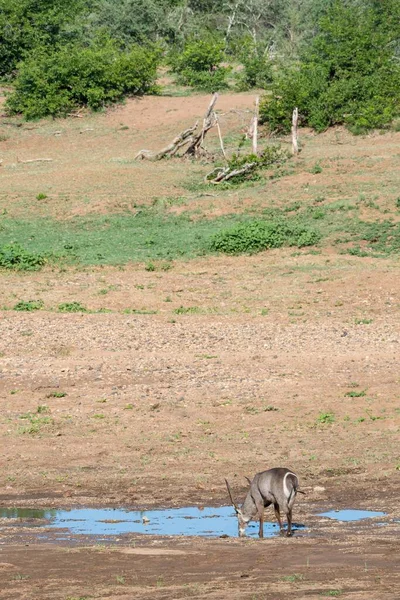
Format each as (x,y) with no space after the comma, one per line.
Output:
(41,196)
(355,394)
(36,421)
(190,310)
(363,321)
(316,169)
(397,203)
(71,307)
(29,305)
(332,593)
(120,579)
(270,408)
(150,267)
(56,395)
(326,418)
(256,236)
(15,257)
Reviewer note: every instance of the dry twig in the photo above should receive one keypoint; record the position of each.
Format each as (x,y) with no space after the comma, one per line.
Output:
(32,160)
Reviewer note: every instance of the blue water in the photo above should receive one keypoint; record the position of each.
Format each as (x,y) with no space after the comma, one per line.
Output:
(351,515)
(209,522)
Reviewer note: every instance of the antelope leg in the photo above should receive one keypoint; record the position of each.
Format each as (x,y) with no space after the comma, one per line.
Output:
(289,523)
(278,516)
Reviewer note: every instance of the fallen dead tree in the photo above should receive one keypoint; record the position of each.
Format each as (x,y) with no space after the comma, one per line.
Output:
(190,137)
(185,137)
(222,174)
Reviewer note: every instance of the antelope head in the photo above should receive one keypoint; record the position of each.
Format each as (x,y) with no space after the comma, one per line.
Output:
(242,519)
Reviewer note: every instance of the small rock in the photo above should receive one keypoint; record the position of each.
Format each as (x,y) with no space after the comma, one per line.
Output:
(319,488)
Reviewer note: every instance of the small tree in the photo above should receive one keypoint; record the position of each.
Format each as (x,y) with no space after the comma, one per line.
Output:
(28,24)
(347,75)
(54,83)
(199,65)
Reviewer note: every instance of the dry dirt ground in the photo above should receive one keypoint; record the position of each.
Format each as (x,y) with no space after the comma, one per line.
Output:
(291,358)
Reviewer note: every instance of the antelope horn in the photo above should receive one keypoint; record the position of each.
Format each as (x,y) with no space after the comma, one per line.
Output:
(230,496)
(248,479)
(300,492)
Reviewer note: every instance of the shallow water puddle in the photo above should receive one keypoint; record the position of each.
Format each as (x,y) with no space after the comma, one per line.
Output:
(351,515)
(208,521)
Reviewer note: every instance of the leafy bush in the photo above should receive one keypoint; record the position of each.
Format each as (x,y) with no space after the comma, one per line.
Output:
(257,69)
(72,76)
(26,25)
(29,305)
(256,236)
(15,257)
(135,21)
(271,155)
(347,76)
(199,65)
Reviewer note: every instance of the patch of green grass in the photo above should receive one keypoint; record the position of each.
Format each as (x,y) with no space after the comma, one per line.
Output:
(316,169)
(35,421)
(355,394)
(190,310)
(363,321)
(29,305)
(332,593)
(148,236)
(72,307)
(56,395)
(256,236)
(15,257)
(325,418)
(155,237)
(41,196)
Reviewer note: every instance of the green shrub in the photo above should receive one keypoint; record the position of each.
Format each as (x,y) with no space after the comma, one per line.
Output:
(257,69)
(28,25)
(29,305)
(54,83)
(71,307)
(199,65)
(347,75)
(15,257)
(256,236)
(271,155)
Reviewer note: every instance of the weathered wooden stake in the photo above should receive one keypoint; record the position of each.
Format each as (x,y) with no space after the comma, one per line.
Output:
(221,141)
(295,121)
(255,125)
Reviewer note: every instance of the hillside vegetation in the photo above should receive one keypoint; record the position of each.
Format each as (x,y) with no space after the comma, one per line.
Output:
(337,60)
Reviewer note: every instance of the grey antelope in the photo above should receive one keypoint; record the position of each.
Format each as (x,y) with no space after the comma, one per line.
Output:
(277,486)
